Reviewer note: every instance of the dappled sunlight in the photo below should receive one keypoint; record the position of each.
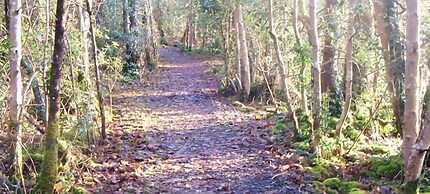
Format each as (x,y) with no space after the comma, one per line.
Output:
(178,135)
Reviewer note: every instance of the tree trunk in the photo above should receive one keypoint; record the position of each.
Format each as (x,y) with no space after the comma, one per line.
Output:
(16,90)
(246,75)
(97,73)
(303,67)
(126,17)
(238,58)
(6,14)
(348,74)
(383,26)
(282,70)
(49,172)
(191,27)
(316,70)
(83,23)
(328,72)
(411,115)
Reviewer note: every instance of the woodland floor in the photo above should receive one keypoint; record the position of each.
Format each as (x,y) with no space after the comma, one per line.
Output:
(176,134)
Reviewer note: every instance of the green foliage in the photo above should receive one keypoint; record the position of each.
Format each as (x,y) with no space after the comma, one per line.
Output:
(385,167)
(320,170)
(278,130)
(335,185)
(332,183)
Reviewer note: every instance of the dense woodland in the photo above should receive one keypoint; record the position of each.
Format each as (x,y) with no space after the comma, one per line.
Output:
(341,85)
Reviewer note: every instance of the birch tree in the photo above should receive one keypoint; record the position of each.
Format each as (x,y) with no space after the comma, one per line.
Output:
(16,90)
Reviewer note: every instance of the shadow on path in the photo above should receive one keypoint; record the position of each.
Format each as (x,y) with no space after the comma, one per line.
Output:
(175,134)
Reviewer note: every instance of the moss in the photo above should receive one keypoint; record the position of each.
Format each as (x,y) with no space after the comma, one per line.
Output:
(349,185)
(279,129)
(331,191)
(386,167)
(321,171)
(377,150)
(49,171)
(352,134)
(79,190)
(303,145)
(332,183)
(410,187)
(357,191)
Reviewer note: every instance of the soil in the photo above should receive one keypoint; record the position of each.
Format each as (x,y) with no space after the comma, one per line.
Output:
(175,134)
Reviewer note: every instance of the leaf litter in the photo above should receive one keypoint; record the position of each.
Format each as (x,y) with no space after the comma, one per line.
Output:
(175,134)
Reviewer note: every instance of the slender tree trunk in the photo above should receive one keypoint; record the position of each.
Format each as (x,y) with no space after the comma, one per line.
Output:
(191,24)
(246,75)
(303,67)
(238,58)
(126,17)
(316,70)
(48,176)
(411,115)
(96,69)
(348,74)
(46,60)
(282,70)
(385,33)
(16,90)
(83,22)
(6,14)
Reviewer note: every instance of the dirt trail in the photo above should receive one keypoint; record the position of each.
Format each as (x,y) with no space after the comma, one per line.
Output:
(175,134)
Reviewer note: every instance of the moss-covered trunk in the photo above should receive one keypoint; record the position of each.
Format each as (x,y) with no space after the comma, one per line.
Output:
(49,171)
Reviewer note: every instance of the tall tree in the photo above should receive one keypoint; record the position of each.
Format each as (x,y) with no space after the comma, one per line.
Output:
(48,175)
(83,23)
(328,74)
(348,72)
(16,90)
(282,70)
(411,124)
(389,33)
(300,54)
(316,71)
(237,49)
(246,73)
(100,97)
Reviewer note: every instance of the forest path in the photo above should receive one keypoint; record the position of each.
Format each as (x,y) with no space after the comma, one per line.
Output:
(176,134)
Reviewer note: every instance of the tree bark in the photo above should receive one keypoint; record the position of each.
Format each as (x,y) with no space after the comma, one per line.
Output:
(303,67)
(83,23)
(238,58)
(49,171)
(282,70)
(100,97)
(316,70)
(246,74)
(383,23)
(6,14)
(16,90)
(348,74)
(191,28)
(328,72)
(411,115)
